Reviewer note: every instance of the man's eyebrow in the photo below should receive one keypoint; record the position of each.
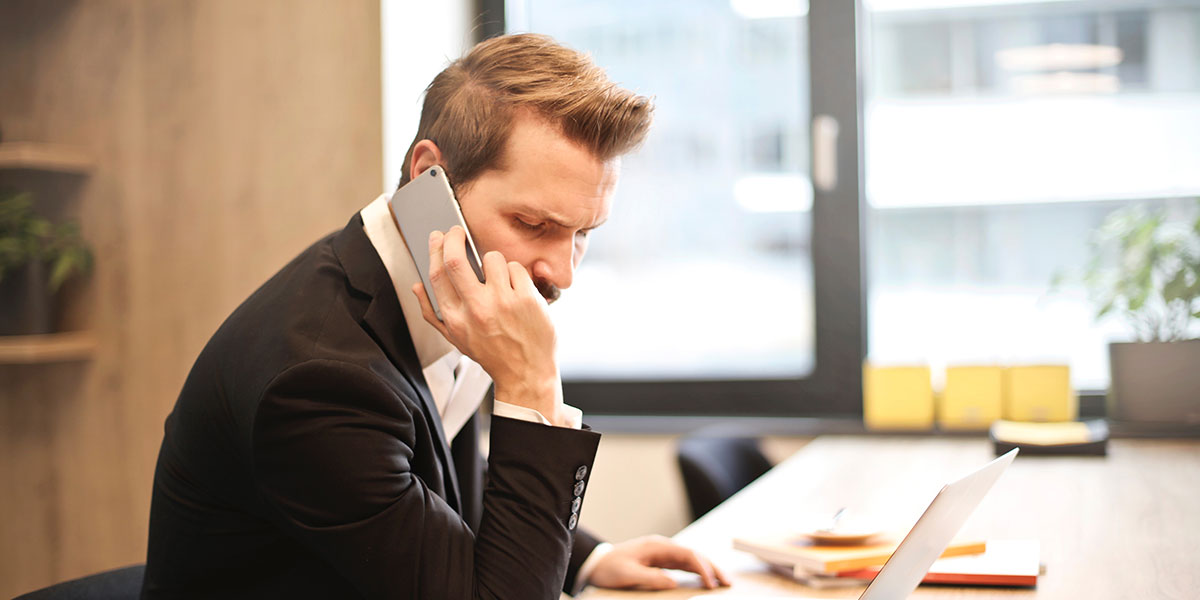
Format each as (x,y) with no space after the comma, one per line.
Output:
(549,217)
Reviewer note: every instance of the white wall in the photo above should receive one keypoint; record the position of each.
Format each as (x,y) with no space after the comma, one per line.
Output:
(419,40)
(636,489)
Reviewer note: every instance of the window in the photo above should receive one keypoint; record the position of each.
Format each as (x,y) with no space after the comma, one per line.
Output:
(704,269)
(997,137)
(700,294)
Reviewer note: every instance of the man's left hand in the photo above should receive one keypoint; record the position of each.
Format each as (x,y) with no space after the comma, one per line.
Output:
(639,563)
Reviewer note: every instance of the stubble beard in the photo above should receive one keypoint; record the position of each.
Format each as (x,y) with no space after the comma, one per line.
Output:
(548,290)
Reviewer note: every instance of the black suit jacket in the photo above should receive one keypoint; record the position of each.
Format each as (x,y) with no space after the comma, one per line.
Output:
(305,458)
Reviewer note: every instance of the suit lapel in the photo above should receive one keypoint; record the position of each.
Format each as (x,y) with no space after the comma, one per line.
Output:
(385,321)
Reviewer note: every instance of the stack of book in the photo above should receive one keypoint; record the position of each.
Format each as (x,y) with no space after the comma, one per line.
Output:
(965,562)
(1062,438)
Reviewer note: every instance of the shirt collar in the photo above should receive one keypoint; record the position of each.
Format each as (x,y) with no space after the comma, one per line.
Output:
(385,236)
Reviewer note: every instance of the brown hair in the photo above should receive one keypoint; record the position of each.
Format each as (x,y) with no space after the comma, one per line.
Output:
(469,107)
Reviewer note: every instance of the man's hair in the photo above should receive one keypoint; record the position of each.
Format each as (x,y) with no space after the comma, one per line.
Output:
(470,106)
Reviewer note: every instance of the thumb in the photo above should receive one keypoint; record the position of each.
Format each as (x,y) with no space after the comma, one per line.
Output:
(651,578)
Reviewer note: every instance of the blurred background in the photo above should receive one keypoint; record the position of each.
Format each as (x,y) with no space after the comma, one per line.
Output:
(918,184)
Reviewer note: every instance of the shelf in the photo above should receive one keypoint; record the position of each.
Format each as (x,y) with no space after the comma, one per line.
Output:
(35,156)
(48,348)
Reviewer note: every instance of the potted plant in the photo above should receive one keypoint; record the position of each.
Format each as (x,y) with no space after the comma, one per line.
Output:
(36,259)
(1145,267)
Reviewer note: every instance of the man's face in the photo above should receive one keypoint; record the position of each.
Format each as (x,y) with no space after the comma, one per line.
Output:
(540,205)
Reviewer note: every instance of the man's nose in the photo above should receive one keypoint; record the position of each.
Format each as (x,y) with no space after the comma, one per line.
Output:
(557,266)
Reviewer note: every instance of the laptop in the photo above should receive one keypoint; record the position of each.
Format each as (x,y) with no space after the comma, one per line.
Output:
(926,541)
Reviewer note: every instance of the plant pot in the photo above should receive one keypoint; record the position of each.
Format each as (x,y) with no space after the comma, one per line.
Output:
(1155,383)
(25,307)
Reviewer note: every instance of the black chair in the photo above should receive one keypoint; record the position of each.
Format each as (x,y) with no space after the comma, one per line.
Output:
(715,468)
(119,584)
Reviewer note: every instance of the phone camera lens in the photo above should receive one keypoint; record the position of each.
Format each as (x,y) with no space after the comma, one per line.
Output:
(433,172)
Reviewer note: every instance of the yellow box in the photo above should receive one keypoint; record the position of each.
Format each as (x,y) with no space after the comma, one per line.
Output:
(972,399)
(897,397)
(1039,393)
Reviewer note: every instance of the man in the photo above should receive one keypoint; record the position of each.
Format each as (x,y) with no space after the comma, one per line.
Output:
(325,442)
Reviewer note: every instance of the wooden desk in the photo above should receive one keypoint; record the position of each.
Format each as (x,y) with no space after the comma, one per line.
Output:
(1122,526)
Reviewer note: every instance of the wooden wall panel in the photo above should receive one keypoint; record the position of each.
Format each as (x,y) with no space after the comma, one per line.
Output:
(228,136)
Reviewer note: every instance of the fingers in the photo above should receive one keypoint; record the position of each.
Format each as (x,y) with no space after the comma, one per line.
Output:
(650,578)
(495,270)
(722,578)
(521,281)
(640,564)
(439,277)
(699,566)
(418,290)
(671,556)
(454,252)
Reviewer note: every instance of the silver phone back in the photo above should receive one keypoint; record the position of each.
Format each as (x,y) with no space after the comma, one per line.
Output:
(424,205)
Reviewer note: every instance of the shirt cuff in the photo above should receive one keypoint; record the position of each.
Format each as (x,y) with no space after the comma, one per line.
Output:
(589,565)
(521,413)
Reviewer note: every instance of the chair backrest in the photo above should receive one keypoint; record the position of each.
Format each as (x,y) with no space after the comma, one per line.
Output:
(715,468)
(119,584)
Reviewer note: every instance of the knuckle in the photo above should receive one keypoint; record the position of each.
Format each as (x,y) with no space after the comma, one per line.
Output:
(453,323)
(506,302)
(455,263)
(476,307)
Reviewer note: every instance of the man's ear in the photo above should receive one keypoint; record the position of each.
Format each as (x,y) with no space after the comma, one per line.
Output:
(424,155)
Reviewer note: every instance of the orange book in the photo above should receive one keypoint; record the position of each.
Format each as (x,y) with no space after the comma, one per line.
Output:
(802,554)
(1006,562)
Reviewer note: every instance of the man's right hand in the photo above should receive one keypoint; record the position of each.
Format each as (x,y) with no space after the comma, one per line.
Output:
(503,324)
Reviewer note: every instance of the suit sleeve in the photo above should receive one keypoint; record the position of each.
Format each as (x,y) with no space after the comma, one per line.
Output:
(582,547)
(335,465)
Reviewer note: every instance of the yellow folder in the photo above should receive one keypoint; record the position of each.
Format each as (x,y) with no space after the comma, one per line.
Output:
(972,399)
(897,397)
(1039,393)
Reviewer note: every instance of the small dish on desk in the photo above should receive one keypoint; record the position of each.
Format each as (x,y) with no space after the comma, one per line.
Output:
(842,536)
(840,530)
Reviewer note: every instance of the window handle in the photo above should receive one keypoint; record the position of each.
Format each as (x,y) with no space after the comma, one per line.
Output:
(824,162)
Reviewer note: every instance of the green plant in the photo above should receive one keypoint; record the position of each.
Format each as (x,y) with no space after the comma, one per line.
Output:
(1145,266)
(26,238)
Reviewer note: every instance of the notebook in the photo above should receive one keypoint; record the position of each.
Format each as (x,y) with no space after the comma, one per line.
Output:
(927,539)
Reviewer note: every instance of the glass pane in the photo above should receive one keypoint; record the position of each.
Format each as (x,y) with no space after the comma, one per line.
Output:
(998,137)
(704,269)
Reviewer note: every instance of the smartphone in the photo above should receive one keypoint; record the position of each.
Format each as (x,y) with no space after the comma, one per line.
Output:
(424,205)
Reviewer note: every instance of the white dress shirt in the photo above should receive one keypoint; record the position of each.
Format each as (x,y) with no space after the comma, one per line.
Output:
(456,382)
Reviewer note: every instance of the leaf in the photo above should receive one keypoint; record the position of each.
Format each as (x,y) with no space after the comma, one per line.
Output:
(60,271)
(1176,288)
(1107,308)
(1145,264)
(1057,280)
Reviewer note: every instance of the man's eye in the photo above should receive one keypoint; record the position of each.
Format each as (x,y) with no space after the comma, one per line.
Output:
(529,226)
